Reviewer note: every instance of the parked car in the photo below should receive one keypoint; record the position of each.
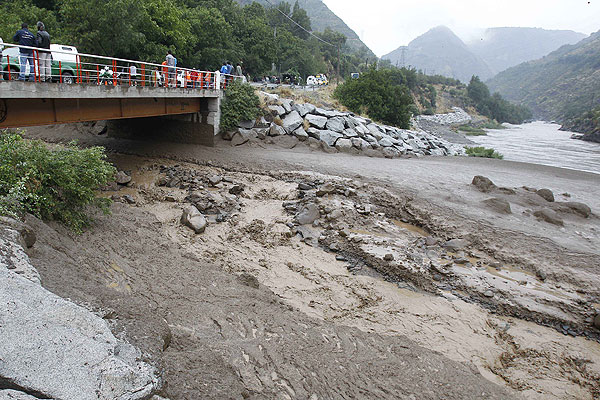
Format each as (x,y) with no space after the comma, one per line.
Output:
(311,81)
(322,79)
(66,59)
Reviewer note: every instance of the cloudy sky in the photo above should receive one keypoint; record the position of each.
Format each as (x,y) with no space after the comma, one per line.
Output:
(384,25)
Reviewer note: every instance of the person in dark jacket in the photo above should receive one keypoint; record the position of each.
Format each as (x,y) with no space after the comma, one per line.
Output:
(25,38)
(45,57)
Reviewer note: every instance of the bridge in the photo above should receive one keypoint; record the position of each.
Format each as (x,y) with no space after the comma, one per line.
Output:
(179,102)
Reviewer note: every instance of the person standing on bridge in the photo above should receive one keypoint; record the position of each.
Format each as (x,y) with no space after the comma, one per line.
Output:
(45,57)
(171,63)
(25,38)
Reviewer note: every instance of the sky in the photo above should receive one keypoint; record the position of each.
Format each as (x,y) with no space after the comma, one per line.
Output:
(384,25)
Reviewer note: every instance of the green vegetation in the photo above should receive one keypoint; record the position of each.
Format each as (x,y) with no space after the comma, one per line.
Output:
(562,86)
(51,183)
(471,130)
(241,104)
(201,33)
(494,106)
(481,151)
(384,95)
(586,122)
(491,124)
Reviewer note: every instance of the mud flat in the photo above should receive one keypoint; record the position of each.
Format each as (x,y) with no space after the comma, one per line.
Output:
(368,249)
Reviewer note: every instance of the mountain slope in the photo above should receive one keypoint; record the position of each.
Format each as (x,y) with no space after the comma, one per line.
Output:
(564,83)
(321,17)
(502,48)
(440,51)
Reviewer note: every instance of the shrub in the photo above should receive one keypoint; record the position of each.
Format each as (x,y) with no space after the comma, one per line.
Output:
(241,104)
(56,183)
(470,130)
(481,151)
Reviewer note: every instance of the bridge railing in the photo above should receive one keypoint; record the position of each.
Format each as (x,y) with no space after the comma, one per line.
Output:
(69,67)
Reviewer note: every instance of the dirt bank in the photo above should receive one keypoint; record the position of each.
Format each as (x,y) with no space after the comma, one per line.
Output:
(516,299)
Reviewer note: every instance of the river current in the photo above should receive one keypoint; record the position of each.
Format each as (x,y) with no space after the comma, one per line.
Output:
(542,143)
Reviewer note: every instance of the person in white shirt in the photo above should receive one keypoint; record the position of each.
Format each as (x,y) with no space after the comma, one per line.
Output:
(133,74)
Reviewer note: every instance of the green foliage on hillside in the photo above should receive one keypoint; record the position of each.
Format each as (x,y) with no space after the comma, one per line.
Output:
(384,95)
(586,122)
(56,183)
(241,104)
(562,86)
(201,33)
(494,106)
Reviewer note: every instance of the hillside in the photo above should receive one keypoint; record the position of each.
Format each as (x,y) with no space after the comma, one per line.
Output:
(559,86)
(502,48)
(321,17)
(440,51)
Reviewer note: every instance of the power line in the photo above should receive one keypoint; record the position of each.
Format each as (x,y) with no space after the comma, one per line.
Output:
(297,24)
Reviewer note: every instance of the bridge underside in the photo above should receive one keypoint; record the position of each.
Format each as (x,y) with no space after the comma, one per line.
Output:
(196,112)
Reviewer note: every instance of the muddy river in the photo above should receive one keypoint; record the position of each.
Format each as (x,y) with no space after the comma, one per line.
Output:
(542,143)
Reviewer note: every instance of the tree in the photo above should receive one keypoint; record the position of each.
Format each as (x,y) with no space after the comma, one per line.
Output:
(300,16)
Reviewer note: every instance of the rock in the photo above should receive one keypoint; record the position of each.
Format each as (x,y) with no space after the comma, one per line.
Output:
(488,293)
(350,133)
(214,180)
(456,244)
(335,124)
(597,320)
(276,130)
(375,131)
(27,234)
(390,152)
(239,139)
(236,189)
(385,142)
(360,144)
(461,261)
(325,113)
(100,128)
(56,349)
(193,219)
(343,145)
(269,97)
(14,258)
(548,215)
(308,215)
(361,129)
(277,110)
(546,194)
(328,149)
(483,184)
(325,189)
(292,121)
(129,199)
(249,124)
(317,121)
(301,134)
(122,178)
(580,208)
(9,394)
(287,104)
(249,280)
(430,241)
(335,215)
(170,197)
(301,109)
(261,133)
(499,205)
(329,137)
(541,274)
(286,141)
(388,257)
(304,186)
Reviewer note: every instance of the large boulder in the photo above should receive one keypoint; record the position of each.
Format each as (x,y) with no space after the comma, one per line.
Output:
(375,131)
(546,194)
(344,145)
(287,105)
(548,215)
(326,113)
(56,349)
(277,110)
(292,121)
(317,121)
(242,136)
(360,144)
(329,137)
(193,219)
(579,208)
(301,134)
(350,133)
(276,130)
(386,142)
(483,184)
(309,214)
(335,124)
(302,109)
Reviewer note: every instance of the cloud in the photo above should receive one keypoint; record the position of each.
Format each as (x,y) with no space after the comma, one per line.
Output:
(385,25)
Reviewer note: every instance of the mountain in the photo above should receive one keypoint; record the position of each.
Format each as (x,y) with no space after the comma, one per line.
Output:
(321,17)
(559,86)
(440,51)
(502,48)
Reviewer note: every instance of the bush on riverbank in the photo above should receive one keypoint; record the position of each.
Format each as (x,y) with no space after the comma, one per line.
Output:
(56,183)
(481,151)
(241,104)
(494,106)
(471,130)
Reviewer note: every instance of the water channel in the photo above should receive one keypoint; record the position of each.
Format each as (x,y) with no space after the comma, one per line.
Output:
(542,143)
